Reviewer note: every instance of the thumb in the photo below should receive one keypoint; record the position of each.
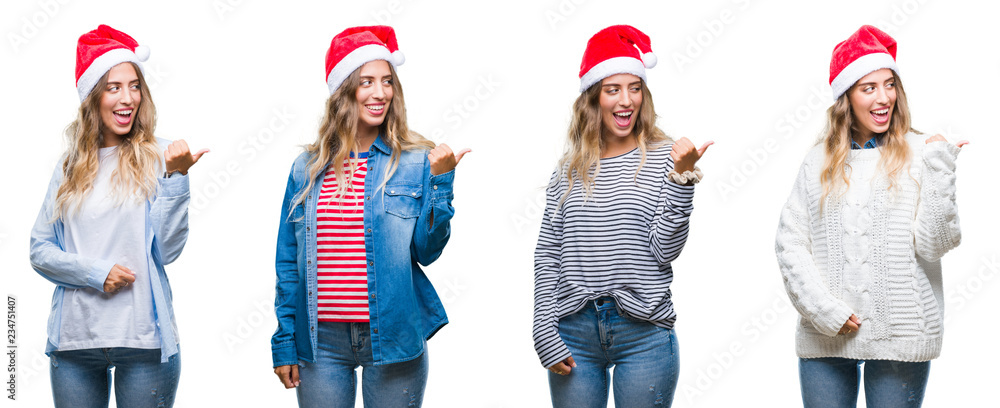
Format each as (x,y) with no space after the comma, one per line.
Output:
(458,157)
(704,147)
(962,143)
(198,155)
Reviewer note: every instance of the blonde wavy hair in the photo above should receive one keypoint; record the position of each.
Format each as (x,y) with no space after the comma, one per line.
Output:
(836,141)
(585,142)
(138,153)
(339,128)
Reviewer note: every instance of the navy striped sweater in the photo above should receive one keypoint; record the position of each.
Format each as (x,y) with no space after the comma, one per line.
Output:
(619,242)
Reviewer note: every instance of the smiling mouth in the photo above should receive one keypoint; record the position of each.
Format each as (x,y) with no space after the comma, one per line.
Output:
(124,116)
(881,116)
(623,119)
(376,109)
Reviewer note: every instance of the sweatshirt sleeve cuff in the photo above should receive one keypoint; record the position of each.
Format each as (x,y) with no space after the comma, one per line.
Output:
(176,185)
(830,323)
(99,273)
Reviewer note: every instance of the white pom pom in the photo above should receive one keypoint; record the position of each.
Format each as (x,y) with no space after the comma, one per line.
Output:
(398,58)
(649,60)
(142,53)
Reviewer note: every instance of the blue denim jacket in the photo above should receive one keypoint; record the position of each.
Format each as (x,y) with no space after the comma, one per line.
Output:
(406,223)
(166,234)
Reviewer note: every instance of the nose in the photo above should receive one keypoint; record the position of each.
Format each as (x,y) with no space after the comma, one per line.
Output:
(624,99)
(379,92)
(882,96)
(127,97)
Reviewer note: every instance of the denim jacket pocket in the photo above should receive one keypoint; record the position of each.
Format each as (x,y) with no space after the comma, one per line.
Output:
(403,200)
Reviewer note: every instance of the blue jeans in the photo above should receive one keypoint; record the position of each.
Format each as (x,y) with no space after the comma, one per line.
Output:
(82,378)
(332,382)
(644,356)
(833,382)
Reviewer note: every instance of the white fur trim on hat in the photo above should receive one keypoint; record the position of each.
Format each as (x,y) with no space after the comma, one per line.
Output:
(862,66)
(356,59)
(612,66)
(101,65)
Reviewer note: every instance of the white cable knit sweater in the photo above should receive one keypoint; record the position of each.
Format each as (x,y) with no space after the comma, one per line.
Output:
(873,252)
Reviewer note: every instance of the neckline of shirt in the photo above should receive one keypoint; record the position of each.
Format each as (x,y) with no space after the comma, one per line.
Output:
(620,155)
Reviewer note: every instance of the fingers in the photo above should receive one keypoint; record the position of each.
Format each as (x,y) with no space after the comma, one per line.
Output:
(288,375)
(560,368)
(935,138)
(570,361)
(852,325)
(294,375)
(442,150)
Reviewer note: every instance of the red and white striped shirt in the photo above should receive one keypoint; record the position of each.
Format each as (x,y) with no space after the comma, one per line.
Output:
(342,276)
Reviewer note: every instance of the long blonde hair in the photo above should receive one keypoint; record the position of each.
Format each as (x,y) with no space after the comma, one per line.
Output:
(338,131)
(585,142)
(138,152)
(837,141)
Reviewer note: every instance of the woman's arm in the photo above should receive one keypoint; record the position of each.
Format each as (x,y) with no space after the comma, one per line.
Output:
(806,288)
(668,230)
(286,288)
(434,222)
(169,212)
(48,256)
(545,327)
(937,229)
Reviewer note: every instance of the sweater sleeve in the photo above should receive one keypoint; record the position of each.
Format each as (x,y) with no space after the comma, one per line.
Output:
(50,259)
(937,230)
(169,216)
(545,330)
(806,287)
(668,230)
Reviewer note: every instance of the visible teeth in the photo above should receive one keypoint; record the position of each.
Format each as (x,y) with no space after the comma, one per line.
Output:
(124,112)
(623,114)
(375,107)
(882,111)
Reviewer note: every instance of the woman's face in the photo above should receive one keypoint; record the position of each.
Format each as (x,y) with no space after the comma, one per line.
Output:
(620,100)
(119,103)
(872,99)
(374,95)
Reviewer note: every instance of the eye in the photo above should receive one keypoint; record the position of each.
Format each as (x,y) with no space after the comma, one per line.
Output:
(135,87)
(611,91)
(636,88)
(890,85)
(868,88)
(387,81)
(366,82)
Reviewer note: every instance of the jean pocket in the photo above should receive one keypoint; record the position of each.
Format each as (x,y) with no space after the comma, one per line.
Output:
(403,200)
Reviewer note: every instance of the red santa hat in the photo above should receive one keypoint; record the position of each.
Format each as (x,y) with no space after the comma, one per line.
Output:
(866,51)
(100,50)
(619,49)
(356,46)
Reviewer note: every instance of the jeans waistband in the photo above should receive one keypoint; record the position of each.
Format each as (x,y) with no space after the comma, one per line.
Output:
(602,303)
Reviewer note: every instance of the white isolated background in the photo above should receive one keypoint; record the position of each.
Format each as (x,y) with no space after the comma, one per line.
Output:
(245,79)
